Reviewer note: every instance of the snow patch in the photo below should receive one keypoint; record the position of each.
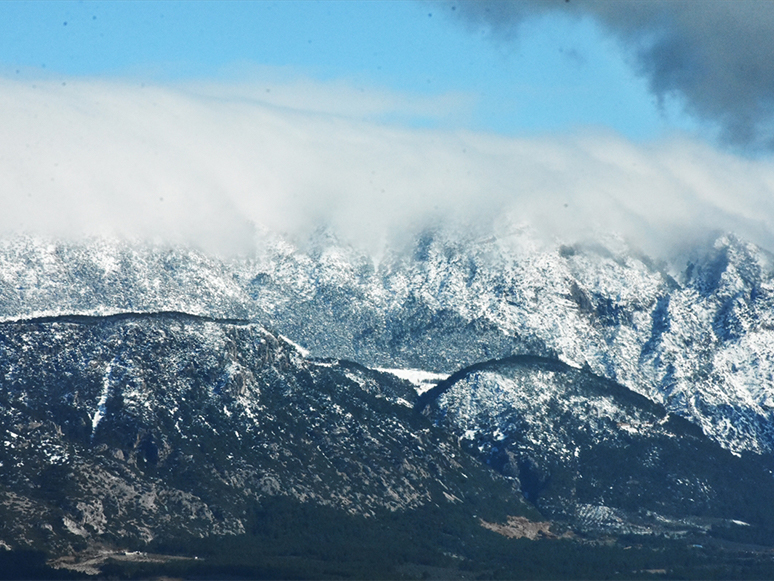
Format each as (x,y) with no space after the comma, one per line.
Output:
(422,380)
(571,362)
(296,346)
(74,528)
(101,404)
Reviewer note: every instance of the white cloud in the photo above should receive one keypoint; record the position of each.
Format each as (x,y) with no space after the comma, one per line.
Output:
(206,165)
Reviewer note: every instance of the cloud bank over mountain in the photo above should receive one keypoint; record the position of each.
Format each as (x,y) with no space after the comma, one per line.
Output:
(715,56)
(210,167)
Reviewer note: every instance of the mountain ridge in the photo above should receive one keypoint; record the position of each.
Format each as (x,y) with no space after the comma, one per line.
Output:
(579,444)
(260,391)
(78,319)
(701,345)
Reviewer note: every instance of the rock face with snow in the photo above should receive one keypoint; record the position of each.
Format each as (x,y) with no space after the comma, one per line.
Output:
(151,393)
(101,277)
(127,428)
(594,454)
(699,342)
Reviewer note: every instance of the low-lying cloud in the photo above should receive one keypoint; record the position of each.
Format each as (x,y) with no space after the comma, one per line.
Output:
(716,55)
(213,167)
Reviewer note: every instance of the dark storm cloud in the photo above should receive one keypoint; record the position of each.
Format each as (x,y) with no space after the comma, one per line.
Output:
(717,55)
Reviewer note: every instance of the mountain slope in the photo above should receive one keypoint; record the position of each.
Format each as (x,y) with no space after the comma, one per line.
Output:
(124,429)
(143,408)
(596,455)
(699,342)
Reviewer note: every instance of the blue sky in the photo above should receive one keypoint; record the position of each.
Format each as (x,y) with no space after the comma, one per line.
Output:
(559,74)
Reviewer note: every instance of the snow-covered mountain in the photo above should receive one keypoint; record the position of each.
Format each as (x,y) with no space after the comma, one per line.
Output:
(592,453)
(699,341)
(126,429)
(40,277)
(153,393)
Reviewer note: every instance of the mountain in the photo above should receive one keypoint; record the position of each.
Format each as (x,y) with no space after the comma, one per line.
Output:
(593,454)
(699,341)
(120,430)
(41,277)
(165,411)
